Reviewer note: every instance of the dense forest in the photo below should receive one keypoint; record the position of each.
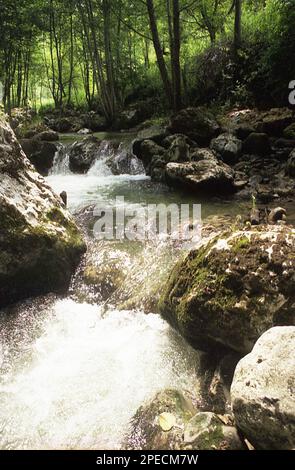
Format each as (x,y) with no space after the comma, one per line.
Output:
(106,54)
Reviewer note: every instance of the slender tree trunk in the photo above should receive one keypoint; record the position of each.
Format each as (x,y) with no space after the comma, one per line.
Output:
(238,27)
(176,56)
(106,7)
(71,60)
(159,52)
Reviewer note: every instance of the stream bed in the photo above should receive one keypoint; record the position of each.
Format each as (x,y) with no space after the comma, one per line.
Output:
(73,373)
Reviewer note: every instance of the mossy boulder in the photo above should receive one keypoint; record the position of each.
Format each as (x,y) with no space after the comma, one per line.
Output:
(40,244)
(170,422)
(229,291)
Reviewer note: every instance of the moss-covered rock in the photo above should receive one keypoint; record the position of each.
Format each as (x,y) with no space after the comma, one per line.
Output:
(170,422)
(40,244)
(232,289)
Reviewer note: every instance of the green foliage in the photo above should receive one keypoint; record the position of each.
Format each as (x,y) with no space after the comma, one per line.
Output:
(60,52)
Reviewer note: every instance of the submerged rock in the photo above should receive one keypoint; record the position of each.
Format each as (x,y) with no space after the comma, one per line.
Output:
(196,123)
(233,288)
(263,391)
(170,422)
(40,245)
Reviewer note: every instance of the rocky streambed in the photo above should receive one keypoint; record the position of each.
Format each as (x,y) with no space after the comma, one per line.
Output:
(147,345)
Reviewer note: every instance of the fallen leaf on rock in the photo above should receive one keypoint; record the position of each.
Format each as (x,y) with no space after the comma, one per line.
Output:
(167,421)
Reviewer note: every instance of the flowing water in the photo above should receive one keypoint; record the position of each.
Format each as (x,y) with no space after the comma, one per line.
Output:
(74,370)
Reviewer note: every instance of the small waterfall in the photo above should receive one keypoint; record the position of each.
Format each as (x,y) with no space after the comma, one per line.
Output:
(111,159)
(61,163)
(99,167)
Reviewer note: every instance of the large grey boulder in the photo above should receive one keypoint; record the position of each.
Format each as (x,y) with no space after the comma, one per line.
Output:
(203,176)
(263,391)
(229,291)
(40,244)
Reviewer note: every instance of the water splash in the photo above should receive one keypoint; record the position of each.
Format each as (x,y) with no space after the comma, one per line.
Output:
(61,162)
(79,377)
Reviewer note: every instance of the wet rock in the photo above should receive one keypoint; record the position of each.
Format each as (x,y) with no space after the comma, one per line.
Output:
(170,422)
(197,124)
(83,154)
(207,176)
(146,151)
(208,431)
(40,245)
(123,162)
(105,278)
(40,153)
(263,391)
(257,144)
(228,147)
(233,288)
(146,432)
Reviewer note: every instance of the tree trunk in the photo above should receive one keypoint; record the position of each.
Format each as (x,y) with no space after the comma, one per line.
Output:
(159,52)
(176,57)
(238,27)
